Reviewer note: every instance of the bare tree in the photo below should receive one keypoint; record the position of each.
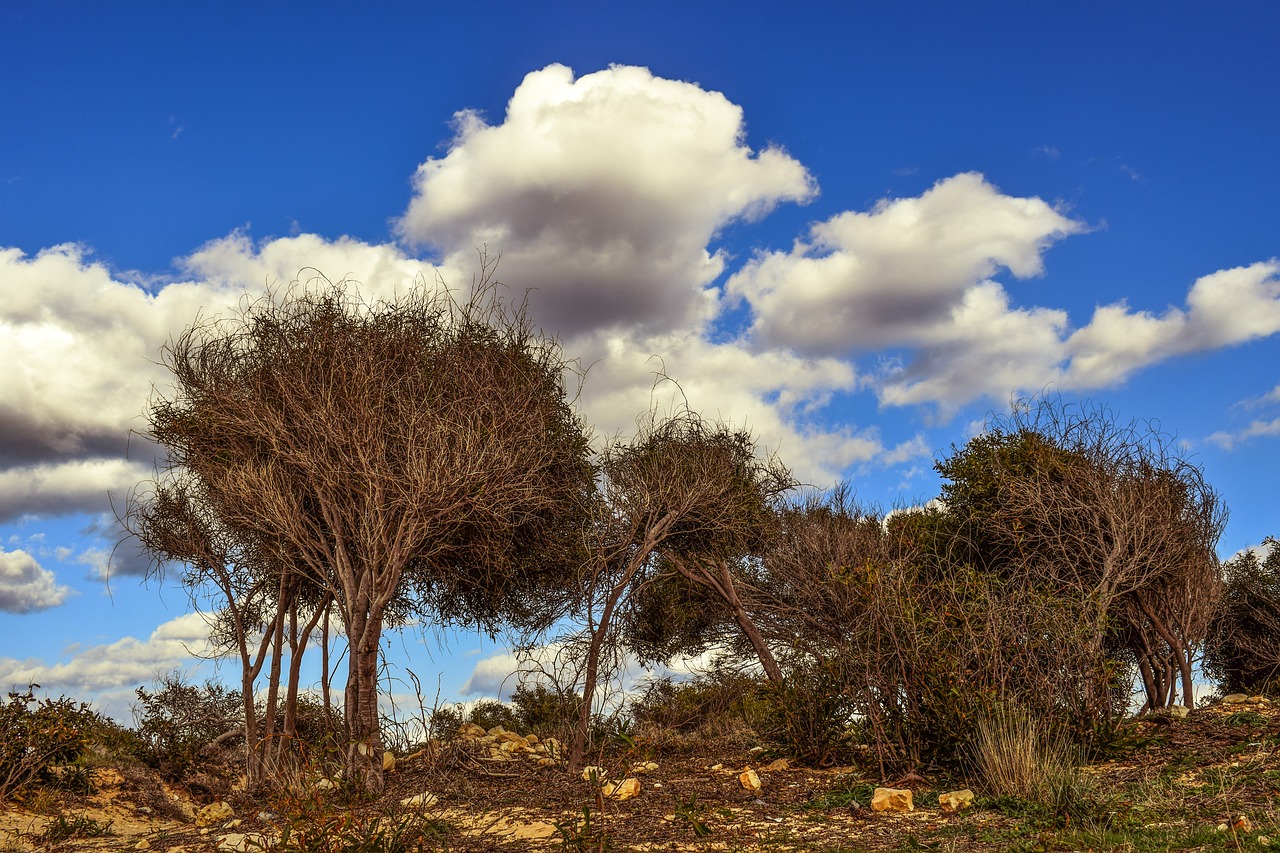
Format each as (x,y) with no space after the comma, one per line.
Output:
(1066,496)
(684,499)
(389,453)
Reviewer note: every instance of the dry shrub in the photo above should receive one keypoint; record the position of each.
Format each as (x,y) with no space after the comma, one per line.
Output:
(1025,758)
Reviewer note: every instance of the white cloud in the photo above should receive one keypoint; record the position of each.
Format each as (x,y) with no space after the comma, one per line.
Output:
(1228,440)
(26,586)
(66,487)
(107,674)
(894,275)
(1225,308)
(602,194)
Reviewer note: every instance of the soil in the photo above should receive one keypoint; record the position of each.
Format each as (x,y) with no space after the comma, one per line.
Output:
(1180,783)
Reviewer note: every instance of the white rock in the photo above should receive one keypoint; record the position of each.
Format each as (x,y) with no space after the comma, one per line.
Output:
(425,800)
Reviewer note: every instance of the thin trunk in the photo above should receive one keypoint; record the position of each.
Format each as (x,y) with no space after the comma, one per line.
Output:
(326,698)
(364,747)
(579,747)
(269,747)
(748,625)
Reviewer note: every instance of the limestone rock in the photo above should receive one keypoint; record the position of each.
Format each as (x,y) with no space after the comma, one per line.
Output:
(471,731)
(425,800)
(750,780)
(552,748)
(892,800)
(954,801)
(1235,699)
(624,790)
(1179,711)
(593,773)
(214,813)
(388,761)
(779,764)
(324,784)
(641,767)
(143,844)
(240,842)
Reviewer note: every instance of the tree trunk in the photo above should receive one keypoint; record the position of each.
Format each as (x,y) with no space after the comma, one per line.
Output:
(364,747)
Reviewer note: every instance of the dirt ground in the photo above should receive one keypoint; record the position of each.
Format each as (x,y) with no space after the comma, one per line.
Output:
(1210,781)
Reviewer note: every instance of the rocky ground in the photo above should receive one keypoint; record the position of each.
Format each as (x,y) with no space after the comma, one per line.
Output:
(1210,781)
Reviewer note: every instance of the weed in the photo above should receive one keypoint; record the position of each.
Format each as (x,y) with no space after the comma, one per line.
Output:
(73,826)
(588,835)
(690,812)
(1245,718)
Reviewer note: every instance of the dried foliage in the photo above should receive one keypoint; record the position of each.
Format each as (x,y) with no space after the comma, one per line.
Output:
(683,504)
(1065,498)
(420,455)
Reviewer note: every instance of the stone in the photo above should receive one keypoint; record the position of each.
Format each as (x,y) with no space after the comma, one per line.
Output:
(624,790)
(716,767)
(324,784)
(750,780)
(544,761)
(1264,841)
(756,750)
(552,748)
(214,813)
(425,800)
(240,842)
(471,731)
(779,764)
(388,761)
(592,773)
(512,738)
(892,800)
(954,801)
(1179,711)
(1235,699)
(143,844)
(532,739)
(496,731)
(641,767)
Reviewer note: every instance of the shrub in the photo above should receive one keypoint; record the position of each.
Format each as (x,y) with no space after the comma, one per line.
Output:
(1243,650)
(544,711)
(37,735)
(177,721)
(808,714)
(714,704)
(1022,758)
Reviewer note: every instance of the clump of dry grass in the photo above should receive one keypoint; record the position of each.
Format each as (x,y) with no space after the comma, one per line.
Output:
(1017,755)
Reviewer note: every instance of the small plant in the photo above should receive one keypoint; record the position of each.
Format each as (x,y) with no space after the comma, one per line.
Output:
(38,735)
(690,812)
(176,721)
(1245,718)
(1028,767)
(589,835)
(73,826)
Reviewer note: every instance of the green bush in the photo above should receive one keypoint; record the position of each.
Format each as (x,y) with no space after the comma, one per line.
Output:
(177,721)
(1242,653)
(39,738)
(713,704)
(808,715)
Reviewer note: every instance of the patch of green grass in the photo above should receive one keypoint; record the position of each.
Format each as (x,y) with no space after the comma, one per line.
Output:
(1245,718)
(843,797)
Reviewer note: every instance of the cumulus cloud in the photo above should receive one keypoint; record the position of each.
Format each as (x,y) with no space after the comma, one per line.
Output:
(81,347)
(118,666)
(894,275)
(58,488)
(602,193)
(26,586)
(1225,308)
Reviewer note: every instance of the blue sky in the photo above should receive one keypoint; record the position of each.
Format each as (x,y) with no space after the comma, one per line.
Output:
(856,230)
